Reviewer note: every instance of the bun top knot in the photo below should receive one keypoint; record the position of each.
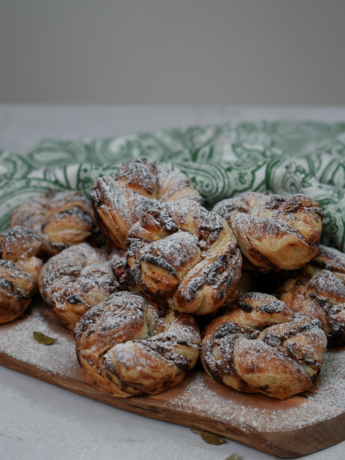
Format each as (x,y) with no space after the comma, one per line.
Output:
(127,345)
(318,290)
(184,256)
(75,280)
(139,186)
(274,232)
(260,346)
(19,269)
(19,243)
(60,220)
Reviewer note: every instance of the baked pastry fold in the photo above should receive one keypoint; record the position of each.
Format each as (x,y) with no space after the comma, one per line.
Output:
(19,269)
(139,186)
(129,346)
(184,256)
(118,261)
(60,219)
(75,280)
(260,346)
(318,290)
(274,232)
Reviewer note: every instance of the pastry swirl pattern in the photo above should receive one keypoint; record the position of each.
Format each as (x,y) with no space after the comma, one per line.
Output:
(184,256)
(318,290)
(139,186)
(19,269)
(75,280)
(60,219)
(128,346)
(260,346)
(274,232)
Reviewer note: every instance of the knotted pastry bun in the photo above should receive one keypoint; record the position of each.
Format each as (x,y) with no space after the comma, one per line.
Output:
(138,187)
(128,346)
(75,280)
(279,361)
(184,256)
(60,219)
(274,232)
(318,290)
(19,269)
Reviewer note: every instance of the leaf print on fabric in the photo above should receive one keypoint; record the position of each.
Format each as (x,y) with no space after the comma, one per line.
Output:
(338,176)
(51,153)
(288,177)
(88,174)
(255,142)
(220,160)
(13,166)
(299,139)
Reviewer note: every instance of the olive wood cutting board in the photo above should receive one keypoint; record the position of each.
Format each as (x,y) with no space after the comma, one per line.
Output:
(296,426)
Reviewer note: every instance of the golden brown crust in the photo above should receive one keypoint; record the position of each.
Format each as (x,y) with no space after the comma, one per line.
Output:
(282,360)
(19,269)
(60,219)
(128,346)
(318,290)
(185,256)
(138,187)
(75,280)
(274,232)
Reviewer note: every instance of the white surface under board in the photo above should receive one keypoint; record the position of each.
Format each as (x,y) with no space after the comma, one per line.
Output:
(39,421)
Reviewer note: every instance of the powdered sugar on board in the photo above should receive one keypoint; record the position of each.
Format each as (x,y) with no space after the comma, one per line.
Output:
(16,340)
(244,411)
(330,388)
(198,394)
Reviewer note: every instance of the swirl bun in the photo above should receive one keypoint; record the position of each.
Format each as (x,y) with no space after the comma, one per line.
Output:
(19,269)
(318,290)
(128,346)
(75,280)
(138,187)
(282,360)
(185,256)
(60,219)
(274,232)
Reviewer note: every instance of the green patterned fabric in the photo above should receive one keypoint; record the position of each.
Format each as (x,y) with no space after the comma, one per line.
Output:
(220,160)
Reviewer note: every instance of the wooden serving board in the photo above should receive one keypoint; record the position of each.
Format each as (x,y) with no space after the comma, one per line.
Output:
(297,426)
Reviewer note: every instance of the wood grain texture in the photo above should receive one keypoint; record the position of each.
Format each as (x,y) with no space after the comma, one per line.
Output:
(297,426)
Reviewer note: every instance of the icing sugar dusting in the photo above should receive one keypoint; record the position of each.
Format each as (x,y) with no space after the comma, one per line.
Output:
(199,394)
(244,411)
(16,339)
(330,388)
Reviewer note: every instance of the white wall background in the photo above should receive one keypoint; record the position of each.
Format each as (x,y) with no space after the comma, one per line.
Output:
(172,51)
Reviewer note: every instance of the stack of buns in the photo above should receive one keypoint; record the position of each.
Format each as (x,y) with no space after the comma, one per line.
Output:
(250,273)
